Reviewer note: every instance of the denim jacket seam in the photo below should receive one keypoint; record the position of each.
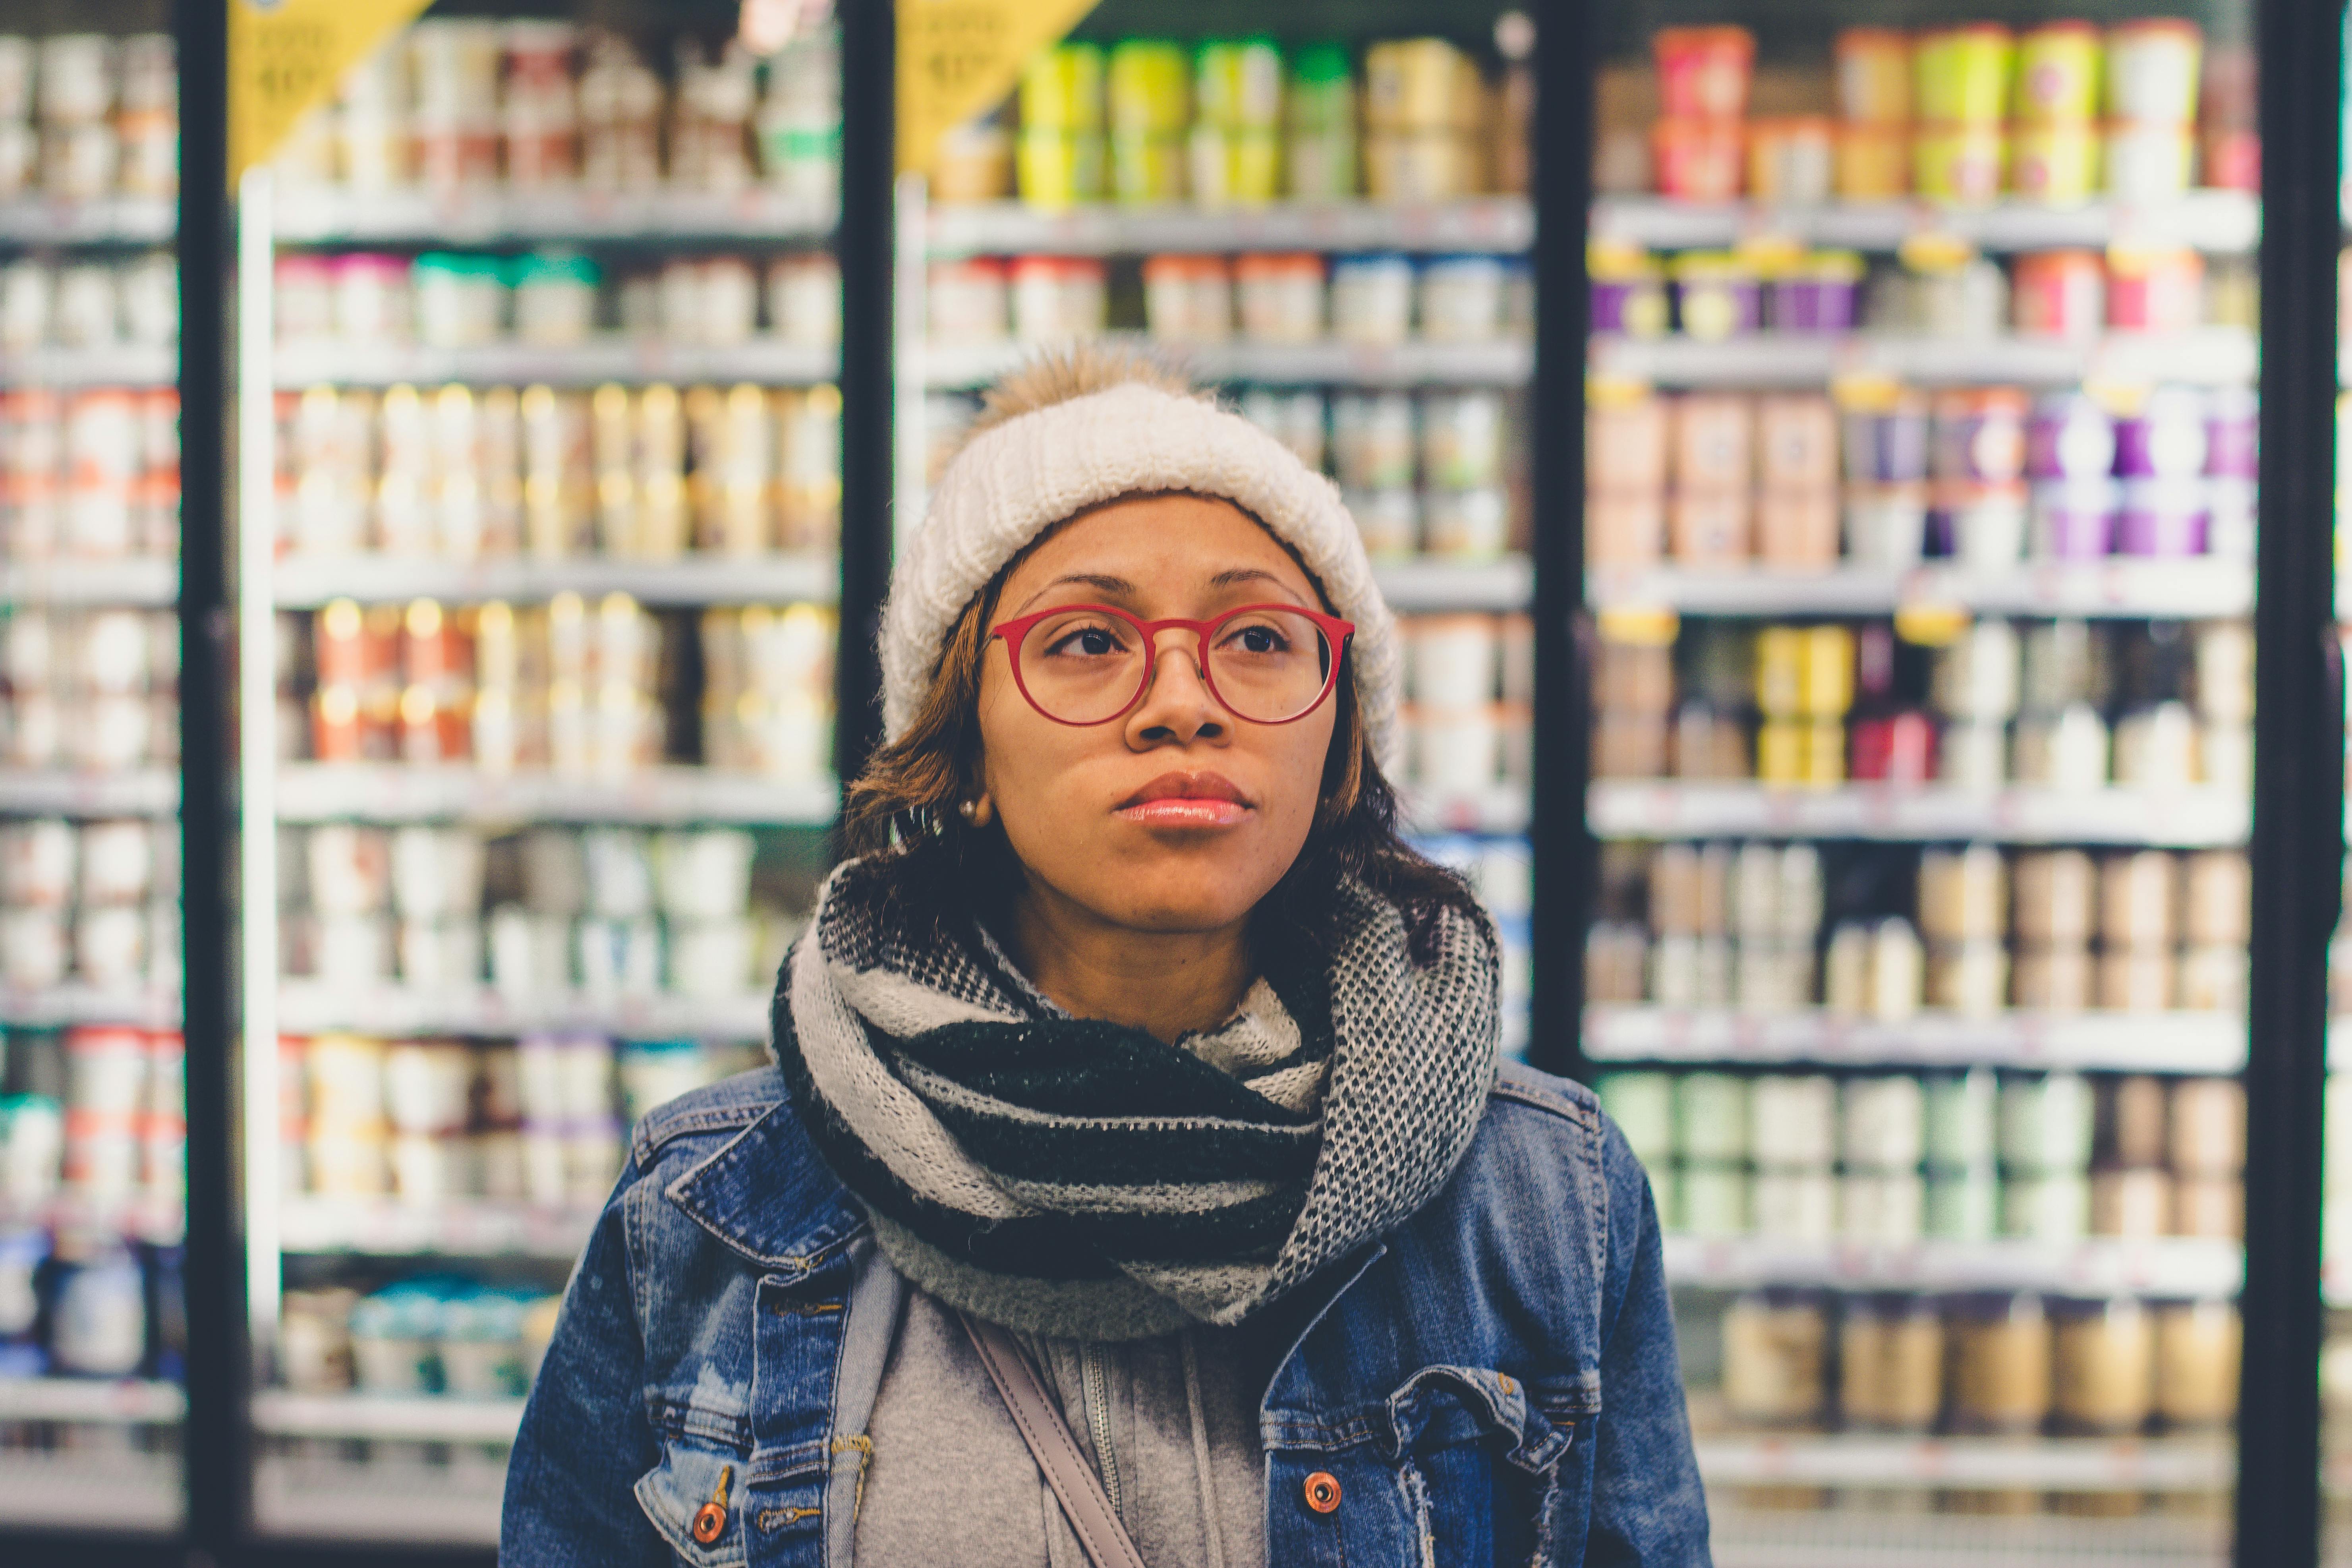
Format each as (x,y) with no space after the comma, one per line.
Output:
(653,1135)
(683,1418)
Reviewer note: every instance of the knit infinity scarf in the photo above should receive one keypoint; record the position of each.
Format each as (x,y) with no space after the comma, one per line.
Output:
(1077,1178)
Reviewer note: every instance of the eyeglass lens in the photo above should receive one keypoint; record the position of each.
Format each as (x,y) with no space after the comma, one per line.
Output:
(1084,667)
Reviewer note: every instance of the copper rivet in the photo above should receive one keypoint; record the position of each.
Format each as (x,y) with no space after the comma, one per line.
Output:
(1323,1491)
(1504,1378)
(709,1522)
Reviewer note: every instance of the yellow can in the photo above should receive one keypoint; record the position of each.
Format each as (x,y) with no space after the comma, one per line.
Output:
(1959,165)
(1237,83)
(1420,84)
(1147,169)
(1960,75)
(1826,679)
(1781,748)
(1062,88)
(1150,88)
(1824,766)
(1059,169)
(1234,168)
(1780,672)
(1874,163)
(2058,74)
(2056,165)
(1874,76)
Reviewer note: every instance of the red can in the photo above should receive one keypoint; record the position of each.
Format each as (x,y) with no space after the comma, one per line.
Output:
(1698,160)
(1898,749)
(2155,289)
(2059,294)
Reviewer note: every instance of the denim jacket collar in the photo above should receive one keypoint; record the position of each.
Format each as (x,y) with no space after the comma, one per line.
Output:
(767,1195)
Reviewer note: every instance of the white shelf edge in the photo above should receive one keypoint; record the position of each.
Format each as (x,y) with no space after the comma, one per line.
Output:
(609,356)
(1504,362)
(79,1004)
(331,792)
(34,219)
(307,581)
(462,1228)
(1901,1461)
(2219,222)
(106,365)
(61,792)
(310,1006)
(1495,225)
(1413,587)
(2196,818)
(125,1402)
(2196,588)
(2171,1267)
(2168,1042)
(278,1413)
(146,582)
(2210,356)
(322,214)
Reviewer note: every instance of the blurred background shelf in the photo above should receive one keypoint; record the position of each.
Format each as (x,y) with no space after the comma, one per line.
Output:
(109,364)
(1864,1538)
(60,1006)
(2198,587)
(1500,810)
(371,791)
(60,792)
(1414,586)
(1490,225)
(2214,221)
(465,1228)
(145,583)
(2186,1267)
(110,220)
(606,358)
(126,1491)
(2198,818)
(2094,1042)
(2212,357)
(129,1401)
(429,1418)
(314,214)
(307,581)
(1880,1460)
(1500,363)
(311,1006)
(389,1496)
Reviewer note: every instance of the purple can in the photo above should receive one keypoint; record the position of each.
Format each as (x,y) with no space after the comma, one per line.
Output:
(1817,295)
(1630,307)
(2229,519)
(2069,437)
(2232,418)
(1980,436)
(2074,520)
(2165,440)
(2162,517)
(1888,446)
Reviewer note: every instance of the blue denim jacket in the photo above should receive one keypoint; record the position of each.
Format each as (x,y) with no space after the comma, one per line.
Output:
(1494,1381)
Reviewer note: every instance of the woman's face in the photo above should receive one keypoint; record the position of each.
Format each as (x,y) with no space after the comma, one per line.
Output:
(1177,815)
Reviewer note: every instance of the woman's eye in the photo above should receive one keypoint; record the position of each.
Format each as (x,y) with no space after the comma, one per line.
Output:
(1086,642)
(1258,639)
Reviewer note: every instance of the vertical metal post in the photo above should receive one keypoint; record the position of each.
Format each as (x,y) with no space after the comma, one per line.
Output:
(2298,787)
(1559,843)
(215,1456)
(869,75)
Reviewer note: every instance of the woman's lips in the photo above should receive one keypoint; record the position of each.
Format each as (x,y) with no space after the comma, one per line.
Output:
(1186,800)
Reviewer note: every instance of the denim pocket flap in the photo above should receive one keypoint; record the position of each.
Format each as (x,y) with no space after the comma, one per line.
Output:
(672,1495)
(1444,1404)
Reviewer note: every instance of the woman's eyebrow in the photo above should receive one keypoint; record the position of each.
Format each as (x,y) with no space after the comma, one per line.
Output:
(1102,583)
(1241,574)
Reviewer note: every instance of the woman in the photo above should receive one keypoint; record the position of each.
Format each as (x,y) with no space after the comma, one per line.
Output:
(1134,1078)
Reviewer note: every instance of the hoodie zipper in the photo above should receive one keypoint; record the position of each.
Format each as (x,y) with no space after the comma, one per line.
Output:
(1095,1391)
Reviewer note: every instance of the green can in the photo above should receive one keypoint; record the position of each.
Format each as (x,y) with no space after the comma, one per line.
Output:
(1643,1106)
(1237,84)
(1322,90)
(1062,88)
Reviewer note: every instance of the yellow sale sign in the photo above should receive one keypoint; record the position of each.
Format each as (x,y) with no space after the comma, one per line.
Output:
(958,58)
(285,57)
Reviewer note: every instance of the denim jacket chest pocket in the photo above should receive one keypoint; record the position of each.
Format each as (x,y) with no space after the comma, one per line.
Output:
(705,1460)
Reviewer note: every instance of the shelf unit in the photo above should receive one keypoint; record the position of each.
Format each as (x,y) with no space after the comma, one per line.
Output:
(61,1005)
(2212,357)
(380,1227)
(604,358)
(2220,223)
(2196,818)
(308,581)
(1502,361)
(313,1008)
(57,792)
(34,219)
(672,796)
(1500,810)
(420,1419)
(1414,588)
(1501,225)
(336,215)
(2189,1268)
(97,365)
(2088,1042)
(108,1402)
(2202,587)
(135,1214)
(138,583)
(131,1492)
(2189,1464)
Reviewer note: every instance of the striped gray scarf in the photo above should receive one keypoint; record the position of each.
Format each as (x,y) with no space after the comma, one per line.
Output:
(1081,1179)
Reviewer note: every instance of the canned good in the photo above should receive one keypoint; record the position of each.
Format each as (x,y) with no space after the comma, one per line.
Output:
(1062,88)
(1960,164)
(1419,84)
(1873,162)
(1461,298)
(2066,751)
(1146,169)
(1232,167)
(2070,437)
(2165,437)
(1979,436)
(1712,439)
(2149,162)
(1150,88)
(2074,520)
(2161,518)
(1796,1206)
(1960,76)
(1280,296)
(1884,439)
(1816,294)
(2104,1379)
(2156,748)
(1372,299)
(1882,1125)
(1874,76)
(1471,524)
(1882,1209)
(2054,166)
(2058,74)
(1388,521)
(1696,160)
(1703,72)
(2152,72)
(2232,428)
(1797,528)
(1792,1121)
(1629,293)
(1710,527)
(1792,159)
(1462,439)
(1419,166)
(1238,83)
(1885,525)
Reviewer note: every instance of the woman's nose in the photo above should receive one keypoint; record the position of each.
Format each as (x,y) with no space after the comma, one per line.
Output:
(1178,704)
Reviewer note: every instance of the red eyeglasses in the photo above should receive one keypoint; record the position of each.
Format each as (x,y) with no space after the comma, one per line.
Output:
(1088,664)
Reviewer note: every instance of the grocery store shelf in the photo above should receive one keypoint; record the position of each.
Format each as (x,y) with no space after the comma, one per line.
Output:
(142,582)
(127,1402)
(133,1215)
(1500,810)
(607,357)
(2186,1267)
(309,1006)
(1498,362)
(407,1495)
(373,1228)
(131,1493)
(58,1007)
(2203,586)
(2095,1042)
(1488,225)
(1415,586)
(2220,221)
(2198,818)
(305,582)
(1868,1537)
(429,1418)
(110,220)
(371,791)
(109,364)
(58,792)
(2212,356)
(312,215)
(1880,1460)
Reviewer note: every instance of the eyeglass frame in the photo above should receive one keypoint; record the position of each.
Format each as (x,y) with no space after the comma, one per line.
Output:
(1338,633)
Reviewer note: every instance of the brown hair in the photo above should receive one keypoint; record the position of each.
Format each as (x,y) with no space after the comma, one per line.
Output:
(904,810)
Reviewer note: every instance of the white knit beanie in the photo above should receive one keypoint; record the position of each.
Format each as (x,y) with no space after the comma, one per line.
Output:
(1016,479)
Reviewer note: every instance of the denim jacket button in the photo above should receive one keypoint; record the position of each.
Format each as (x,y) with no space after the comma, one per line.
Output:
(1322,1492)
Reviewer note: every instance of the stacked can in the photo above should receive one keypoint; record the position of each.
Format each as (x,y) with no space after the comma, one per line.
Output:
(1804,688)
(1236,145)
(1734,926)
(90,304)
(1626,443)
(1058,158)
(1189,298)
(1964,911)
(114,673)
(2152,80)
(767,698)
(2045,1157)
(1974,689)
(1874,969)
(1633,697)
(1697,145)
(570,1137)
(1319,119)
(88,475)
(1792,1139)
(1960,84)
(2055,147)
(1711,437)
(1873,132)
(97,900)
(1884,444)
(1468,720)
(1150,109)
(1978,462)
(1424,109)
(1796,471)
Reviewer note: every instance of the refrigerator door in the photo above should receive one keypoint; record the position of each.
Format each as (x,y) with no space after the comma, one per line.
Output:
(540,516)
(1919,556)
(93,1110)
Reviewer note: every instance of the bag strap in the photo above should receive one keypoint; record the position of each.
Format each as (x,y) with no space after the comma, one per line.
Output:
(1080,1490)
